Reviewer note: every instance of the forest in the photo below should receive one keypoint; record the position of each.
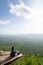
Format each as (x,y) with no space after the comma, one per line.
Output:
(30,47)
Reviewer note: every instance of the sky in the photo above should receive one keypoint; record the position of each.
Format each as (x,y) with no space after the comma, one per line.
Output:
(21,16)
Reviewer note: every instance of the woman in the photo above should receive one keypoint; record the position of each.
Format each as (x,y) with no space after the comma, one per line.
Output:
(13,52)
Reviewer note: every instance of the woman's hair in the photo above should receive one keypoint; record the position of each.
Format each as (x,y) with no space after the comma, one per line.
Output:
(12,47)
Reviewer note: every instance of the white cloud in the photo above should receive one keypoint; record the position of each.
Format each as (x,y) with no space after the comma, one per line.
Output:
(4,22)
(21,10)
(6,31)
(20,1)
(33,15)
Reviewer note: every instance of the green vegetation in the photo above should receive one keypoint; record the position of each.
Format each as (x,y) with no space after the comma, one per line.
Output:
(30,56)
(32,51)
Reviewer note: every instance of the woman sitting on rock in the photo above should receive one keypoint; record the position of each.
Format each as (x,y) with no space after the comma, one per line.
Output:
(13,52)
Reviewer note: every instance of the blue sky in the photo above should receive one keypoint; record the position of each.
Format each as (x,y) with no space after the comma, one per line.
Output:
(21,16)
